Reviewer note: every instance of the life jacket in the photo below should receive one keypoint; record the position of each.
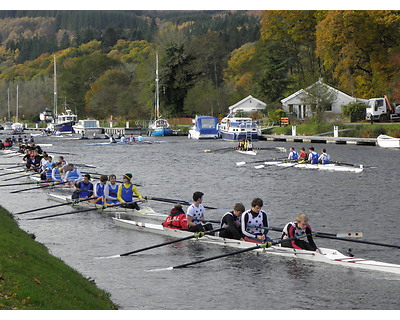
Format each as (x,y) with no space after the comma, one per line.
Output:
(176,220)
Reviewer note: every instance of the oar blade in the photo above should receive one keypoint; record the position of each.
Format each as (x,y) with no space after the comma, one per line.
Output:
(350,235)
(259,166)
(241,163)
(160,269)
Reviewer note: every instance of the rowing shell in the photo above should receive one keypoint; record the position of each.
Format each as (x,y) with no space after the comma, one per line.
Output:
(144,212)
(326,255)
(326,167)
(248,152)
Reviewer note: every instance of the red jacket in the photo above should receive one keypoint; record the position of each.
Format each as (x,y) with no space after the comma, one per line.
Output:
(176,220)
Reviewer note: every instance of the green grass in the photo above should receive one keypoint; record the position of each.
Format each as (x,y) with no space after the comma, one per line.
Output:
(32,279)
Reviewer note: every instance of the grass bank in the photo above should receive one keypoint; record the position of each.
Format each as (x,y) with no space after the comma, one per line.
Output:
(33,279)
(359,130)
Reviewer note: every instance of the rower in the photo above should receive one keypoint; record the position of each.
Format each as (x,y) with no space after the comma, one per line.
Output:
(324,158)
(126,191)
(84,188)
(293,155)
(298,228)
(111,190)
(312,156)
(176,219)
(231,222)
(72,174)
(55,172)
(195,213)
(303,156)
(254,223)
(99,188)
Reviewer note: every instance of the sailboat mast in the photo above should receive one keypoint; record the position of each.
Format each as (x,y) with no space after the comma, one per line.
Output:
(157,104)
(16,115)
(8,103)
(55,88)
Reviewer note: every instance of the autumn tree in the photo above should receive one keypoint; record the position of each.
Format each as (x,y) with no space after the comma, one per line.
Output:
(358,47)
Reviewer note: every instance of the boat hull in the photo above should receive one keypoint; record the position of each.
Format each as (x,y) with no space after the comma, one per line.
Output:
(324,167)
(160,132)
(388,142)
(325,255)
(233,136)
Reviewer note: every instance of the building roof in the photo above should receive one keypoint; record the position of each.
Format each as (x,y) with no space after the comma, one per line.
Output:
(258,104)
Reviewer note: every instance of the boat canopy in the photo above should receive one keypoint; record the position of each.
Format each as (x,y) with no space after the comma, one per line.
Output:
(206,124)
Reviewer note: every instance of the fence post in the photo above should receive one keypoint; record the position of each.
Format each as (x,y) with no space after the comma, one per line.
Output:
(294,131)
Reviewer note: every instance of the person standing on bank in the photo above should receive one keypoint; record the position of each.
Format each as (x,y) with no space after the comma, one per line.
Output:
(195,212)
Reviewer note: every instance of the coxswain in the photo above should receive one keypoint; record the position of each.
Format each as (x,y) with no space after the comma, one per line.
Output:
(312,156)
(324,158)
(293,155)
(231,223)
(99,188)
(83,188)
(296,229)
(195,213)
(303,156)
(176,219)
(111,190)
(254,223)
(126,191)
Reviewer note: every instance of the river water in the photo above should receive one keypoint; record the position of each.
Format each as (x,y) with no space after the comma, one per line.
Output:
(175,167)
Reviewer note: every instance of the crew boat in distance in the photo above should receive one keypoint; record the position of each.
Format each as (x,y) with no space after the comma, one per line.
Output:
(239,128)
(204,127)
(158,127)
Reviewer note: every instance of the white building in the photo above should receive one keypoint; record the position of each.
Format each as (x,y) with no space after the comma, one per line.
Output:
(299,103)
(247,105)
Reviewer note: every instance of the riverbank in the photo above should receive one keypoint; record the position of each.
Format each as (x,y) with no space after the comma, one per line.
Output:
(32,279)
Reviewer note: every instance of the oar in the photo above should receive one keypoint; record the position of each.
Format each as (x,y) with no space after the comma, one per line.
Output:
(344,234)
(22,183)
(21,176)
(50,184)
(194,236)
(339,163)
(55,205)
(258,246)
(242,163)
(174,201)
(8,173)
(78,211)
(358,241)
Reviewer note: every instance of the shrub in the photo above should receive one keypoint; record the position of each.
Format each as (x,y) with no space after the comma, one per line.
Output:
(354,111)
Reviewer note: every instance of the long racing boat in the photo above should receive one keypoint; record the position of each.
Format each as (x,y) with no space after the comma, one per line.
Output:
(326,167)
(330,256)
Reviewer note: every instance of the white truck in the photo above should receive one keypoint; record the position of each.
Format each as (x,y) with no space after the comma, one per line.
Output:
(380,109)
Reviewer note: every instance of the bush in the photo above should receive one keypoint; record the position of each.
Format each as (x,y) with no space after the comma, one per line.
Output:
(354,111)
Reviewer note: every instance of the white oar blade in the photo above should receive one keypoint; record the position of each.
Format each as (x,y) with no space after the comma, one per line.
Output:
(259,167)
(109,257)
(161,269)
(350,235)
(239,164)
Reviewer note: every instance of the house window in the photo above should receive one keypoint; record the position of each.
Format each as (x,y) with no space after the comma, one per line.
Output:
(328,108)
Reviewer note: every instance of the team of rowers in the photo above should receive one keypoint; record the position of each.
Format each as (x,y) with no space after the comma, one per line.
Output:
(311,157)
(241,224)
(246,225)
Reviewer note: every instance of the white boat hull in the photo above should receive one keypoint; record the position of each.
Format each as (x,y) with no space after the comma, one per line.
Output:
(248,152)
(325,167)
(388,142)
(326,255)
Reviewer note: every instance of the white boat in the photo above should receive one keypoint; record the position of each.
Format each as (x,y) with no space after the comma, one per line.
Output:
(46,116)
(144,212)
(326,167)
(159,126)
(238,128)
(204,127)
(385,141)
(248,152)
(326,255)
(88,127)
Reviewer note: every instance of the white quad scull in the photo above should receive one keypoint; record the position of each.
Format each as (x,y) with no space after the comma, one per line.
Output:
(330,256)
(325,167)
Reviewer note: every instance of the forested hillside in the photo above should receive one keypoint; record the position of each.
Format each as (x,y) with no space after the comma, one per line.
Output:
(208,59)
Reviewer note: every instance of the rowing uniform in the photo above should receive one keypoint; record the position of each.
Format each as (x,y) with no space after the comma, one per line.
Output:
(303,156)
(125,194)
(197,213)
(231,225)
(99,192)
(313,157)
(176,219)
(291,230)
(111,192)
(251,224)
(74,175)
(293,155)
(55,174)
(324,158)
(85,190)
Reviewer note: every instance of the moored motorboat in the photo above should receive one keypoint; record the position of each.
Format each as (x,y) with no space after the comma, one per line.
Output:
(385,141)
(204,127)
(238,128)
(330,256)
